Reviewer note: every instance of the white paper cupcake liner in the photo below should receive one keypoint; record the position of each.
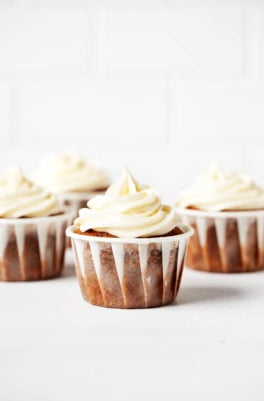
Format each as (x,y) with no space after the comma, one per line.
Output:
(32,248)
(225,242)
(129,273)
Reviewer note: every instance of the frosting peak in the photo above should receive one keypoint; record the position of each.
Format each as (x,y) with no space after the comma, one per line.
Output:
(127,209)
(217,190)
(124,186)
(70,173)
(13,178)
(19,197)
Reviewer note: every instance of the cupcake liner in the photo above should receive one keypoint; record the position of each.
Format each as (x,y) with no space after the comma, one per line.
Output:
(32,248)
(225,242)
(129,273)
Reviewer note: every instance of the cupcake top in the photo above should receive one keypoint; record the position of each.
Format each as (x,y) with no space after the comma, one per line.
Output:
(20,197)
(127,210)
(69,173)
(217,190)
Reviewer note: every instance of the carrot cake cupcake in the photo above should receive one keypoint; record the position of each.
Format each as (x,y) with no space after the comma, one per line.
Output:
(129,248)
(32,230)
(73,179)
(226,209)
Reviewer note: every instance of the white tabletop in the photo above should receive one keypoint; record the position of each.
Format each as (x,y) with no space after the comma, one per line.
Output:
(209,345)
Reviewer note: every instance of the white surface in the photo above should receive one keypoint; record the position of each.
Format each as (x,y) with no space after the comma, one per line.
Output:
(207,346)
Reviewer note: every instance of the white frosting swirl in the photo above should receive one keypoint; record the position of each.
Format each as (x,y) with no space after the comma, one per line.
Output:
(69,173)
(127,210)
(216,190)
(20,197)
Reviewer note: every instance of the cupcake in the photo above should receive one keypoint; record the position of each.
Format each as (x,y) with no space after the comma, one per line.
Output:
(32,230)
(72,179)
(226,210)
(129,248)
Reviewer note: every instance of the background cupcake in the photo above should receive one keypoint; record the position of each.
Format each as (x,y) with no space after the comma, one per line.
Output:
(32,230)
(73,179)
(129,248)
(226,210)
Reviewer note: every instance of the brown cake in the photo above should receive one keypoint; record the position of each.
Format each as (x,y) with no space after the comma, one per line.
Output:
(29,252)
(32,230)
(226,211)
(137,274)
(229,243)
(129,250)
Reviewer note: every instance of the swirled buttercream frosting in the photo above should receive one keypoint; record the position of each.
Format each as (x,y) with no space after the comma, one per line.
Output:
(69,173)
(19,197)
(128,209)
(217,190)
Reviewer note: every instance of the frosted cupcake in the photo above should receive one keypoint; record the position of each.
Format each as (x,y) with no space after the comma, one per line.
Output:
(226,210)
(72,179)
(32,230)
(129,248)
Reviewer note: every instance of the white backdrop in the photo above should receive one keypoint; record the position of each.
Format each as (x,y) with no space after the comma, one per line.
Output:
(166,87)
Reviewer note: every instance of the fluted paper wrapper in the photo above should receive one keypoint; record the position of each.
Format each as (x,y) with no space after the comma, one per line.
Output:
(225,242)
(32,248)
(129,273)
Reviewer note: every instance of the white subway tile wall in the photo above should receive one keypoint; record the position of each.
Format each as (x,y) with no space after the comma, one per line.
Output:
(175,40)
(221,112)
(164,86)
(43,40)
(93,112)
